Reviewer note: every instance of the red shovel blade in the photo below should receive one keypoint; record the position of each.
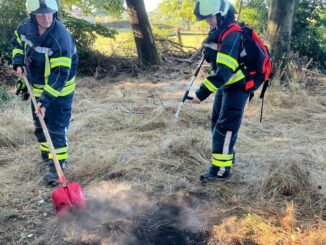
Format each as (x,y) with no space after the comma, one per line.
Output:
(69,198)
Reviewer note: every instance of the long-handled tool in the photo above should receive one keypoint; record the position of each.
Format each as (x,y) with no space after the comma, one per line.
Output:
(67,197)
(186,94)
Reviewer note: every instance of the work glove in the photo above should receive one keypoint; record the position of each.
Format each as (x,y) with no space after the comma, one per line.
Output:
(21,89)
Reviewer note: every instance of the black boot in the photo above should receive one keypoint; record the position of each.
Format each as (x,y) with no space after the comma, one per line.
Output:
(42,165)
(51,176)
(215,174)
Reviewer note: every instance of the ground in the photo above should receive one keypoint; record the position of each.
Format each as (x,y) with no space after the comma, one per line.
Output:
(139,168)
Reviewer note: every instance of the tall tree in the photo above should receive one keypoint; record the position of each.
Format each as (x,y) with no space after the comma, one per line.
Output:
(253,13)
(309,31)
(113,7)
(279,29)
(178,11)
(145,42)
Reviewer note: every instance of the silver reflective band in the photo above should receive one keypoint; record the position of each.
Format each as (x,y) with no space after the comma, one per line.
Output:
(43,14)
(41,50)
(211,46)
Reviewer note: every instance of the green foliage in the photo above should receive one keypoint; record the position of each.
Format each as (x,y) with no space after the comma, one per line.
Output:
(85,32)
(309,31)
(112,7)
(254,13)
(89,61)
(178,12)
(11,14)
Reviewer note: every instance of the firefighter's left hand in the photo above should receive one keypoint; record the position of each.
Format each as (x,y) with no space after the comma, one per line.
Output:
(195,100)
(40,109)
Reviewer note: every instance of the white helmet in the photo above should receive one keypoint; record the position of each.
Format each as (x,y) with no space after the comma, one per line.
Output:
(207,8)
(42,6)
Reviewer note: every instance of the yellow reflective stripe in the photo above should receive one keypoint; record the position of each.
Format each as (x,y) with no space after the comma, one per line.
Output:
(235,78)
(71,81)
(51,90)
(61,150)
(18,39)
(68,90)
(37,92)
(60,61)
(210,86)
(38,86)
(47,68)
(223,157)
(62,153)
(44,147)
(222,164)
(222,160)
(16,51)
(59,156)
(227,60)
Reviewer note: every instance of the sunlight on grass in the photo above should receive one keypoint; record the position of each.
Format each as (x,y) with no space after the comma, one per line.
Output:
(254,229)
(124,43)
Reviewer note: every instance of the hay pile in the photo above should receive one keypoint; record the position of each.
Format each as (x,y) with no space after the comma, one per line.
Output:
(126,133)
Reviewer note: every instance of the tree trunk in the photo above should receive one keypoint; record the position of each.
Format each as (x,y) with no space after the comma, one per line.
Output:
(239,5)
(145,43)
(179,38)
(279,30)
(188,25)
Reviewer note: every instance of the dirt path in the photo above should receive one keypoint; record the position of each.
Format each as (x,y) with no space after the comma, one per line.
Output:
(140,168)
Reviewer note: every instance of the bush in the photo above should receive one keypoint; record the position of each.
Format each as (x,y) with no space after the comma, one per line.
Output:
(309,28)
(11,14)
(85,32)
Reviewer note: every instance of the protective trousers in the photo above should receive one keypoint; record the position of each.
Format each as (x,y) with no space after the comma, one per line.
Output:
(57,119)
(227,115)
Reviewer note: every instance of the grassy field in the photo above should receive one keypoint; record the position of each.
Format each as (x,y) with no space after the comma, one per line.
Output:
(124,44)
(139,168)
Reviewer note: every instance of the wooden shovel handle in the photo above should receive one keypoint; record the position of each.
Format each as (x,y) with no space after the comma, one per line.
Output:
(58,168)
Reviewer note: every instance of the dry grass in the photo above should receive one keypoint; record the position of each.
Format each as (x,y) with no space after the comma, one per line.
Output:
(253,229)
(125,133)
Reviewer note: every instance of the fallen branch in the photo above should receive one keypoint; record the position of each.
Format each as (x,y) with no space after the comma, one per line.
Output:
(313,72)
(179,59)
(155,95)
(177,45)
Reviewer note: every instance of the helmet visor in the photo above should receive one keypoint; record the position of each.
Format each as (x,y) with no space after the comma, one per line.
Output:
(199,16)
(42,7)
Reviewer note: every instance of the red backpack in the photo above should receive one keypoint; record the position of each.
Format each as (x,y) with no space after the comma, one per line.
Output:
(254,57)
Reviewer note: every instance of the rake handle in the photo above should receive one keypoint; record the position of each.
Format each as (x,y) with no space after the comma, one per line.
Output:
(62,179)
(187,90)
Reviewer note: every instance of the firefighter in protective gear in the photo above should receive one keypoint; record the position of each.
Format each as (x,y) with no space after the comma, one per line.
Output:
(228,84)
(46,49)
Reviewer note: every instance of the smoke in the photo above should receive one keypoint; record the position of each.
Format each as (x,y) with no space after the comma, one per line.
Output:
(118,215)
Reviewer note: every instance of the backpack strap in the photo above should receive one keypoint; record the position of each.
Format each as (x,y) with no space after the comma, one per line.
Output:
(231,28)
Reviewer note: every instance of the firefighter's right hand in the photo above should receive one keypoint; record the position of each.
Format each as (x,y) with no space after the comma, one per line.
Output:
(19,71)
(195,100)
(40,110)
